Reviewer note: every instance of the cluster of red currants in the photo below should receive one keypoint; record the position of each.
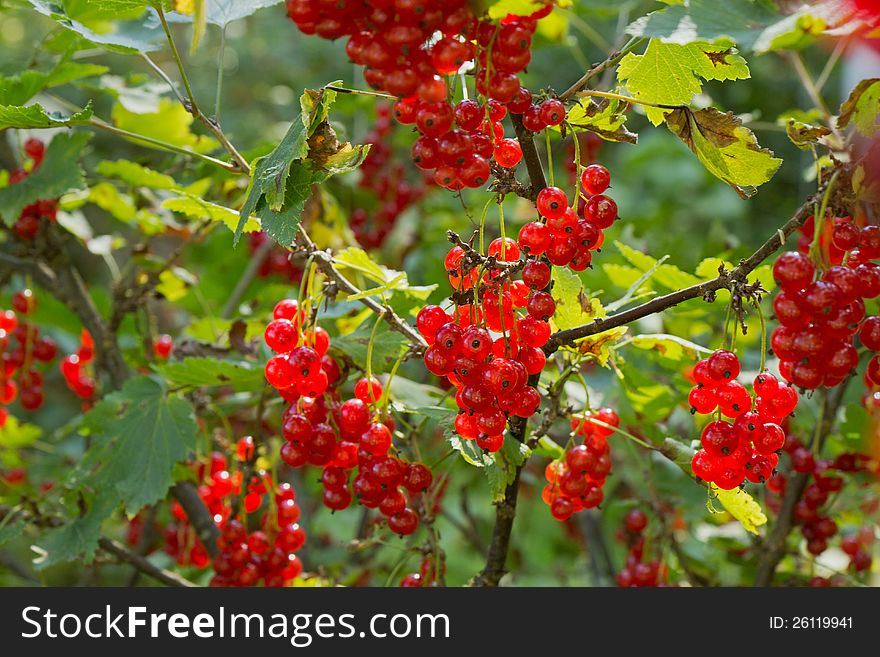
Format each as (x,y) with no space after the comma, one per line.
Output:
(575,482)
(320,430)
(388,183)
(564,238)
(637,572)
(746,448)
(818,528)
(246,557)
(28,224)
(820,318)
(20,377)
(490,374)
(77,371)
(276,262)
(407,48)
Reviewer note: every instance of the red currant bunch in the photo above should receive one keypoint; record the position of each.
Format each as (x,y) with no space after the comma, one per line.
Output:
(746,447)
(23,350)
(321,430)
(408,50)
(563,237)
(637,572)
(575,481)
(821,312)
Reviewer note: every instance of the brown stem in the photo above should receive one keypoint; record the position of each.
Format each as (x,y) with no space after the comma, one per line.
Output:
(596,69)
(325,264)
(530,154)
(143,564)
(505,512)
(736,276)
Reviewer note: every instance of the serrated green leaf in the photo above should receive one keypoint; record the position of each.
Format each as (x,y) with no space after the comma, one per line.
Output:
(144,34)
(204,372)
(862,107)
(309,153)
(78,538)
(727,149)
(11,530)
(135,174)
(58,174)
(138,434)
(354,261)
(20,88)
(223,12)
(37,116)
(672,74)
(668,346)
(753,25)
(195,207)
(621,275)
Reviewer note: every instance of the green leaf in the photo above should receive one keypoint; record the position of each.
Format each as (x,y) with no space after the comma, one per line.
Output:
(200,23)
(58,174)
(671,74)
(36,116)
(751,24)
(709,268)
(573,306)
(502,471)
(668,346)
(387,347)
(174,284)
(15,434)
(196,207)
(144,34)
(171,124)
(862,107)
(20,88)
(309,153)
(138,434)
(647,396)
(603,116)
(194,373)
(11,530)
(135,174)
(78,538)
(356,262)
(223,12)
(726,148)
(669,276)
(468,450)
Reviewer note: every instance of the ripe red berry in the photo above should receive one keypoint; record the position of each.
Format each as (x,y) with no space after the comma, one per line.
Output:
(595,179)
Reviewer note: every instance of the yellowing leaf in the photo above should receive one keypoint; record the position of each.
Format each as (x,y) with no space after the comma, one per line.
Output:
(741,506)
(171,285)
(670,74)
(603,116)
(573,306)
(726,148)
(862,107)
(599,346)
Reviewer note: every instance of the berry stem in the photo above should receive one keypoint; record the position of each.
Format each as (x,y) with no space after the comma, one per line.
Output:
(547,145)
